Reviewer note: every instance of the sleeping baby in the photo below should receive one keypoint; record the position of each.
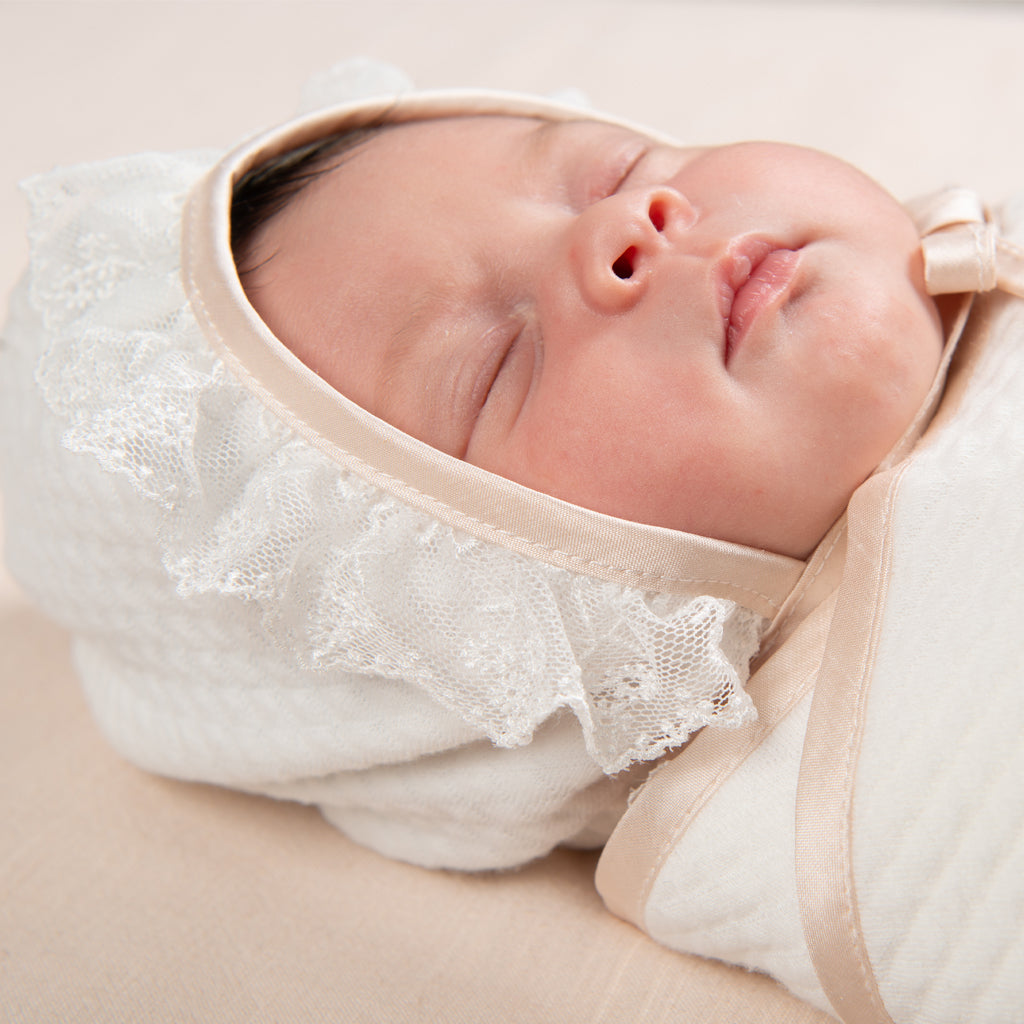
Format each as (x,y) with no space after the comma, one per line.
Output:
(722,341)
(449,461)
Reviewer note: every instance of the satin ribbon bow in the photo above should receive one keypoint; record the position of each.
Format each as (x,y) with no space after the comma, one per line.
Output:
(963,251)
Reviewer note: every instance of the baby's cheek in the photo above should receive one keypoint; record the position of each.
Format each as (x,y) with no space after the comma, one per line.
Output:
(901,352)
(912,348)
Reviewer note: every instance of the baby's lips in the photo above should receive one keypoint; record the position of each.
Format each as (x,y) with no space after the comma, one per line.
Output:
(733,270)
(767,281)
(735,267)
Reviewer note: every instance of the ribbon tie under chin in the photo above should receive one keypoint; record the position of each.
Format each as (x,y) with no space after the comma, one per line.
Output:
(963,250)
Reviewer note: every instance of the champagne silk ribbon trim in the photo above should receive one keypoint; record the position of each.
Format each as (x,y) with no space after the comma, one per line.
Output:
(676,792)
(826,887)
(963,253)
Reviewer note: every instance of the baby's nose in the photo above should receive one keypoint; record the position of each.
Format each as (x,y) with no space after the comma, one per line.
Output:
(617,242)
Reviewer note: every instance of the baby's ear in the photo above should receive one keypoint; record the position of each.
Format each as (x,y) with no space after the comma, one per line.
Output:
(354,79)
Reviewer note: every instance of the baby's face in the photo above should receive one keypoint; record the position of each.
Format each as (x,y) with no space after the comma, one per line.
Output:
(724,341)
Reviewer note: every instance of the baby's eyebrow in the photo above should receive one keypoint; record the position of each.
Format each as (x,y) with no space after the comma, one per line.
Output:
(424,346)
(423,311)
(543,142)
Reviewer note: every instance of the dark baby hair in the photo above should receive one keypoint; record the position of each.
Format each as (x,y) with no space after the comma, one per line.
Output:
(266,189)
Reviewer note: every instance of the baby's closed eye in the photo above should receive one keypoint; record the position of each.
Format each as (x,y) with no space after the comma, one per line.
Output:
(504,380)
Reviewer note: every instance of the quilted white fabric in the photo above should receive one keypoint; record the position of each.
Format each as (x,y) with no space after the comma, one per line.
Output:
(729,890)
(939,813)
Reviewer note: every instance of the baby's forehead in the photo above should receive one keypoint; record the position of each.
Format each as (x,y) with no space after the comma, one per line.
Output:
(321,141)
(439,156)
(448,125)
(346,179)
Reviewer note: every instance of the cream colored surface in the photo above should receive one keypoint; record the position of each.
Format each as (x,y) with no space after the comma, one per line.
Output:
(124,897)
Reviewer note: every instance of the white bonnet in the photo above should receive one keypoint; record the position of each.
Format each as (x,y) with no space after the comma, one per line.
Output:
(270,588)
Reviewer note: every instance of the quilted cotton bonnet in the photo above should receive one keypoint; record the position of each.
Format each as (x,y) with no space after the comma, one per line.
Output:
(265,583)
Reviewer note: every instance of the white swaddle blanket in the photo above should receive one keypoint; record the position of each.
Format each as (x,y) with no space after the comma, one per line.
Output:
(867,846)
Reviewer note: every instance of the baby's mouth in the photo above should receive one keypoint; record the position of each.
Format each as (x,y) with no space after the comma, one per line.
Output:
(753,276)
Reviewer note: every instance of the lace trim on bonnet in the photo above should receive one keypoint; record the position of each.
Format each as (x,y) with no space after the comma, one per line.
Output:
(344,575)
